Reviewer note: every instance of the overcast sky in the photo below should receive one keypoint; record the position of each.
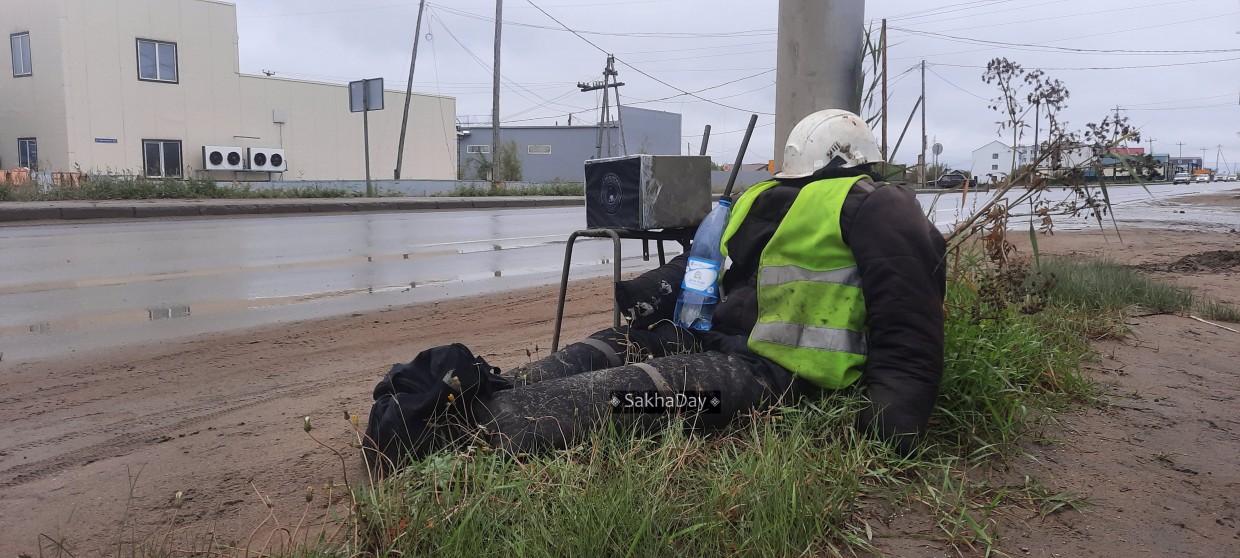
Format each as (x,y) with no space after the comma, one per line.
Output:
(1193,98)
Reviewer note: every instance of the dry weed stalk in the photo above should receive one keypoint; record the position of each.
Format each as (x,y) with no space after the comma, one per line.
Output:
(1021,92)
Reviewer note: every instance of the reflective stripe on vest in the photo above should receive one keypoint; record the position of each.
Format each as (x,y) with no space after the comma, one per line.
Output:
(811,311)
(780,275)
(821,338)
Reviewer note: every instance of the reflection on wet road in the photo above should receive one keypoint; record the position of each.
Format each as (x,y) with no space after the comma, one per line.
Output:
(74,287)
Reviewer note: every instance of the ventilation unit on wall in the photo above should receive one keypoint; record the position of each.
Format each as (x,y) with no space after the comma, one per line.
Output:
(215,157)
(266,159)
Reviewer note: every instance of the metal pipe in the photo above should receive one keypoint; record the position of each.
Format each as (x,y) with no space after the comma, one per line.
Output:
(568,259)
(740,155)
(705,139)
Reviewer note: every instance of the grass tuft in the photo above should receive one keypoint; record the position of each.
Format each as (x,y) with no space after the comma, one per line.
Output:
(1108,286)
(551,189)
(101,187)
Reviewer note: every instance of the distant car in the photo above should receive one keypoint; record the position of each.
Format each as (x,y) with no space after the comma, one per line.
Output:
(953,179)
(1202,178)
(1181,178)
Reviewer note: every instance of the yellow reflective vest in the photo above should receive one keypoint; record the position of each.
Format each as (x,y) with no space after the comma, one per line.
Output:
(811,312)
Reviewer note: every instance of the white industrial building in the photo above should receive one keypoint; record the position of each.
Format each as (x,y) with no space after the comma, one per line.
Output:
(141,86)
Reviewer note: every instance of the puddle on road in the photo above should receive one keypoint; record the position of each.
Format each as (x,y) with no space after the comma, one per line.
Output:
(211,308)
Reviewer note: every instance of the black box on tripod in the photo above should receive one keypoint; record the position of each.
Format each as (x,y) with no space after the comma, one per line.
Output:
(645,192)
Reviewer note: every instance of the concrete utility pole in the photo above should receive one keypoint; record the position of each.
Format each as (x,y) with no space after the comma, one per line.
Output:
(413,60)
(499,25)
(819,61)
(921,161)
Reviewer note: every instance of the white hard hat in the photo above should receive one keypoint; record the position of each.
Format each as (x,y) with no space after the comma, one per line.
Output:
(820,138)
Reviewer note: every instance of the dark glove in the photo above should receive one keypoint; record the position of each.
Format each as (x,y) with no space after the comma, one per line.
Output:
(651,297)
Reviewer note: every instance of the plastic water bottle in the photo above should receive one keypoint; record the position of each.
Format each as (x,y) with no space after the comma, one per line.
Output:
(699,292)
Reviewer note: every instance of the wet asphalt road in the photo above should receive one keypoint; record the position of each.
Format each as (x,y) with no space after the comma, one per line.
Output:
(68,288)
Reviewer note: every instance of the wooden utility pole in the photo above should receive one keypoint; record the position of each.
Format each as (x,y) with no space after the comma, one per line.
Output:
(883,44)
(921,163)
(1037,121)
(1117,123)
(610,81)
(413,60)
(499,25)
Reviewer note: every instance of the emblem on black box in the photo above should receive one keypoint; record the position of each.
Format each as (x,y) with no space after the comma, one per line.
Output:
(611,193)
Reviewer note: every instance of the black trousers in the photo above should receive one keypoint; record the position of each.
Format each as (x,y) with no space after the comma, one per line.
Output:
(559,399)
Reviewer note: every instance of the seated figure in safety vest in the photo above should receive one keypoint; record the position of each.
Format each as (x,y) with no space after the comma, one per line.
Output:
(836,280)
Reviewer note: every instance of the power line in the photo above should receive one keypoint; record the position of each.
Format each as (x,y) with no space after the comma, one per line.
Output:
(1071,69)
(949,82)
(663,99)
(1180,100)
(664,51)
(940,10)
(642,35)
(1051,48)
(1076,15)
(409,4)
(1143,28)
(512,86)
(1220,105)
(639,70)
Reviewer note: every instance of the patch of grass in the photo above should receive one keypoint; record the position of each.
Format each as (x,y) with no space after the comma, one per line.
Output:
(1218,311)
(1112,288)
(1106,286)
(550,189)
(783,483)
(101,187)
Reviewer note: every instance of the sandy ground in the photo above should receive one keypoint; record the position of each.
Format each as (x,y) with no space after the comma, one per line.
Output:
(219,417)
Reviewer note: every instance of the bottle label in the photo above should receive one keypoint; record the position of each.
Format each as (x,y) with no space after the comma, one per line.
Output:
(700,276)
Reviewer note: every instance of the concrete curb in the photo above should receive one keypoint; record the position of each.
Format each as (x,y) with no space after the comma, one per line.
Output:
(141,209)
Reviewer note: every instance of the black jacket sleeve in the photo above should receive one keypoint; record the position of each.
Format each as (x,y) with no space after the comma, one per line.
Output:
(900,256)
(651,297)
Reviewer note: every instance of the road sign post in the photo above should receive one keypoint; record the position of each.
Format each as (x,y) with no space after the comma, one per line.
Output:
(364,96)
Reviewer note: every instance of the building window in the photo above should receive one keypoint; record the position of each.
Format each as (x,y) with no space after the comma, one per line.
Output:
(538,150)
(994,167)
(157,61)
(20,44)
(28,153)
(161,158)
(994,155)
(478,149)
